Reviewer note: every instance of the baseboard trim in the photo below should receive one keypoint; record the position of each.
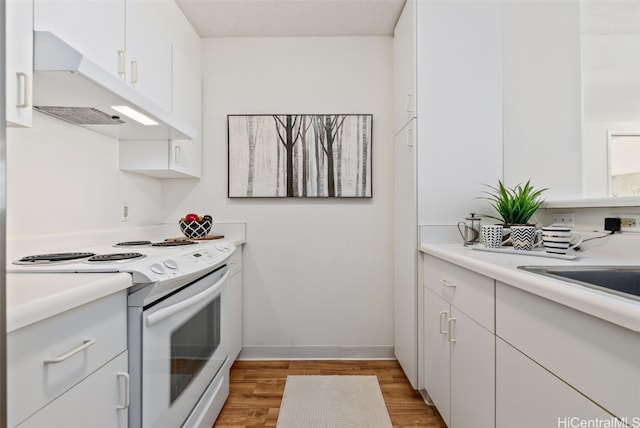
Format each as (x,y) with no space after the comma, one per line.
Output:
(316,353)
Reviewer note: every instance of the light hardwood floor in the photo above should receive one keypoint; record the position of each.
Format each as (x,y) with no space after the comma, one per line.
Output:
(257,387)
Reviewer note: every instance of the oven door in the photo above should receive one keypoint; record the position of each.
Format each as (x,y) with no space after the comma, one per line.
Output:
(184,345)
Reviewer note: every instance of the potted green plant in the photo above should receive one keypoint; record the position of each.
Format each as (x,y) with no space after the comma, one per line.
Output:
(514,205)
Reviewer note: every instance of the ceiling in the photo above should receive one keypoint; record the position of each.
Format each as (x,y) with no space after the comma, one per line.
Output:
(292,18)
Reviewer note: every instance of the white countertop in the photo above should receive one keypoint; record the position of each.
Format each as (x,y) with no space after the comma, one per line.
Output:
(503,267)
(34,297)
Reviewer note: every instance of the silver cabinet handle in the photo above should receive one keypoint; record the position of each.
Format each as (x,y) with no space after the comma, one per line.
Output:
(409,103)
(176,154)
(71,353)
(122,68)
(24,78)
(126,378)
(452,321)
(447,283)
(443,318)
(134,72)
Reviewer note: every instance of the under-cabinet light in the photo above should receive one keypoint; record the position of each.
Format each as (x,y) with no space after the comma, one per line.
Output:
(135,115)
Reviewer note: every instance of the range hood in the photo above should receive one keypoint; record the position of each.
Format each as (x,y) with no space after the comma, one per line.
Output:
(69,86)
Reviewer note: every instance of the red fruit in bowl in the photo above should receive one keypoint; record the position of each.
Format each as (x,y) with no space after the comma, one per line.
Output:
(191,217)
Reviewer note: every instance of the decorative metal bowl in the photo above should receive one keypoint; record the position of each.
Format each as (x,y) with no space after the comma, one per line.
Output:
(196,228)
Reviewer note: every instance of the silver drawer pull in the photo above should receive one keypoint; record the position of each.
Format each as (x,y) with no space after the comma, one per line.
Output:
(452,322)
(127,379)
(443,319)
(24,78)
(71,353)
(447,283)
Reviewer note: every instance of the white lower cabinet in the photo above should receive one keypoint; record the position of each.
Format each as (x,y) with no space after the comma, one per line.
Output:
(597,358)
(83,348)
(528,396)
(459,371)
(472,373)
(235,304)
(437,353)
(498,356)
(459,352)
(99,401)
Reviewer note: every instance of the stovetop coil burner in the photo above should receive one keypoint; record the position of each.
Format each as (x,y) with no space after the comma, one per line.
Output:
(114,257)
(133,244)
(54,257)
(172,243)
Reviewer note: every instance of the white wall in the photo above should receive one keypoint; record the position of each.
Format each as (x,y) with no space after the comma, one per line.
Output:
(318,273)
(62,178)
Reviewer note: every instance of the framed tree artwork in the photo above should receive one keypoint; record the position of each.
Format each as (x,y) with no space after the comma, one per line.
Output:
(300,156)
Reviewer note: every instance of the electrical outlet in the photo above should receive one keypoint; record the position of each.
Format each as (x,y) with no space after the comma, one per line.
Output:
(629,222)
(124,211)
(563,218)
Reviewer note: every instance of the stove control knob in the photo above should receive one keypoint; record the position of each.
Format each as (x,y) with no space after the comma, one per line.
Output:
(157,268)
(171,264)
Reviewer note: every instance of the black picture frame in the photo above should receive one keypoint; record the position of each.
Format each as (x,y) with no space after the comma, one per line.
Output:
(300,155)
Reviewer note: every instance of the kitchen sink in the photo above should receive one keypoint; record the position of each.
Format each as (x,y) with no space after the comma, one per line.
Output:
(621,280)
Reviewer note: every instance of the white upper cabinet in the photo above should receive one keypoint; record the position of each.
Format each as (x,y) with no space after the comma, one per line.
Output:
(404,61)
(148,48)
(151,46)
(19,61)
(94,27)
(175,158)
(126,38)
(459,106)
(187,93)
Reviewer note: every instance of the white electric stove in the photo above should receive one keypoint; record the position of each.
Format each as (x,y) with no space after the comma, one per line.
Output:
(177,323)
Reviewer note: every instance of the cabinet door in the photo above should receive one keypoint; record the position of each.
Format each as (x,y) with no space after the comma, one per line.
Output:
(187,69)
(93,27)
(404,60)
(148,49)
(528,396)
(405,255)
(459,104)
(98,401)
(154,158)
(19,61)
(47,358)
(235,316)
(437,352)
(570,343)
(187,93)
(186,158)
(472,373)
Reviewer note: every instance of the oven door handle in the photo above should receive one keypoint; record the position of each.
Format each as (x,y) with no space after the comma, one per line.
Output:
(169,311)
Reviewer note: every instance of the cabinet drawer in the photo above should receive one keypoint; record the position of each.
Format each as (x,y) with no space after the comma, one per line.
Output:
(599,359)
(99,401)
(468,291)
(41,360)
